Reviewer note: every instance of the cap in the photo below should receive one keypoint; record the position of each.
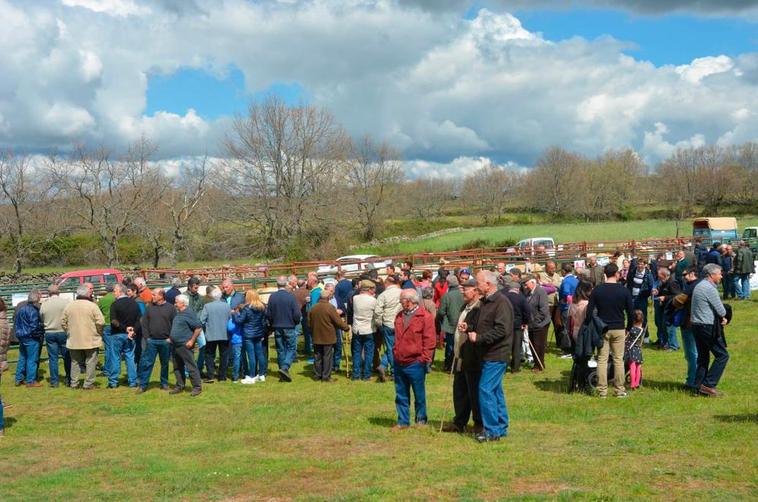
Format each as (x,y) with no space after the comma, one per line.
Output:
(193,280)
(469,283)
(366,284)
(466,271)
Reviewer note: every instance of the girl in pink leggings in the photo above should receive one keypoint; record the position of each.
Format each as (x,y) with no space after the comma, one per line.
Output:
(633,349)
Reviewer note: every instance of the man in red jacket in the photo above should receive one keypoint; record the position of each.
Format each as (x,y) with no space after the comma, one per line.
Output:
(414,343)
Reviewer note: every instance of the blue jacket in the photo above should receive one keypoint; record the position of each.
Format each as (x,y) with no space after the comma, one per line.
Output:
(647,282)
(567,288)
(342,293)
(28,323)
(233,328)
(282,310)
(713,257)
(315,297)
(171,294)
(253,322)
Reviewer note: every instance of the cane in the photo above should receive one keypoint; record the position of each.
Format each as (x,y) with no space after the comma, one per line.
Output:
(447,401)
(534,353)
(346,350)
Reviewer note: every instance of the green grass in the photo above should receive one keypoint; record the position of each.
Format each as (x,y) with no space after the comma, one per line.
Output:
(561,232)
(311,441)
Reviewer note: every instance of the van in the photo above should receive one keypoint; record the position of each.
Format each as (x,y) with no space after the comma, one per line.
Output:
(711,230)
(530,246)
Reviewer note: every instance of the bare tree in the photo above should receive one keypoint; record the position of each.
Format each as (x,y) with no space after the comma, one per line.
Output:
(183,200)
(427,196)
(372,171)
(550,184)
(491,187)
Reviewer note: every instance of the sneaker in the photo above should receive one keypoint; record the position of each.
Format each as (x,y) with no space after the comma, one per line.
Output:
(261,378)
(484,438)
(284,375)
(196,392)
(622,395)
(382,374)
(248,380)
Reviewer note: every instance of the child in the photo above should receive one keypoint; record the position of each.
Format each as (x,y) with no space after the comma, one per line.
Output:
(633,349)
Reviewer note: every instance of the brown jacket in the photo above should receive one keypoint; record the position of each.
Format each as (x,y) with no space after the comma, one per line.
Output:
(83,323)
(324,321)
(5,338)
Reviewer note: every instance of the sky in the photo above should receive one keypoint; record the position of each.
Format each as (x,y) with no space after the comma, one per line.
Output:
(453,85)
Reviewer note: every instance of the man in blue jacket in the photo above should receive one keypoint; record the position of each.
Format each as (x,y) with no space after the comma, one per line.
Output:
(283,314)
(29,331)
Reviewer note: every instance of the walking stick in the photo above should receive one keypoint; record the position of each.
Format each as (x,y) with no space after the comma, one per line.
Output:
(346,350)
(534,353)
(447,401)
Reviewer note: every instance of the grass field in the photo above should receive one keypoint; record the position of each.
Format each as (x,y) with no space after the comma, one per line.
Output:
(310,441)
(561,232)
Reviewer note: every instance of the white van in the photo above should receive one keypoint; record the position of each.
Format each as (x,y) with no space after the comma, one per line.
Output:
(530,245)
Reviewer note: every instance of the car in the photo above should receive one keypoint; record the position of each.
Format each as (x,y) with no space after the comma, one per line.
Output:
(71,280)
(533,245)
(353,264)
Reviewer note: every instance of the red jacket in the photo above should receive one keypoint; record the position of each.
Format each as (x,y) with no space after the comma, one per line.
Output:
(440,288)
(416,341)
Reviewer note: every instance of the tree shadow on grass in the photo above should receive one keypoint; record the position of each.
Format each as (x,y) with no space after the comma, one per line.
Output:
(382,421)
(741,418)
(559,386)
(659,385)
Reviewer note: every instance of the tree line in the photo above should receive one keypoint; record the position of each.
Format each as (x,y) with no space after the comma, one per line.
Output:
(292,183)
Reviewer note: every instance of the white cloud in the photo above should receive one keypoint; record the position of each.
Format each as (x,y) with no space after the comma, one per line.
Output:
(445,90)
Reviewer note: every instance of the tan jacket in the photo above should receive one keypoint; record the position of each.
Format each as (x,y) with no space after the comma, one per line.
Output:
(83,323)
(387,306)
(556,280)
(51,312)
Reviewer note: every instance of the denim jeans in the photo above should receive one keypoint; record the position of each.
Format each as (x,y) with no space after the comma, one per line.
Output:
(707,343)
(492,399)
(236,350)
(388,360)
(337,358)
(121,344)
(2,418)
(743,288)
(28,357)
(106,350)
(729,286)
(56,347)
(160,348)
(449,346)
(256,355)
(307,336)
(363,355)
(640,303)
(660,324)
(690,355)
(673,341)
(412,376)
(286,346)
(201,360)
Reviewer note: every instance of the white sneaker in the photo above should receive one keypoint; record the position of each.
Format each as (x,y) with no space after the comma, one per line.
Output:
(260,378)
(248,380)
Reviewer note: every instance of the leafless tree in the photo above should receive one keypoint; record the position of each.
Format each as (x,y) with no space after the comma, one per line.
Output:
(184,199)
(491,188)
(551,183)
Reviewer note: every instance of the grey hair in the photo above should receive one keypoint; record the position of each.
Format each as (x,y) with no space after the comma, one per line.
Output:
(452,280)
(325,294)
(183,299)
(176,282)
(711,269)
(216,294)
(281,281)
(139,281)
(34,296)
(410,294)
(489,276)
(82,291)
(667,272)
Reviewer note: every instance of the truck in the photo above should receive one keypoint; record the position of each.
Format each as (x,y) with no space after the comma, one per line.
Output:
(710,230)
(750,235)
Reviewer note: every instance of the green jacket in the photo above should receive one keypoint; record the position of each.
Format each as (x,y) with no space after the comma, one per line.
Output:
(743,262)
(196,302)
(450,308)
(104,304)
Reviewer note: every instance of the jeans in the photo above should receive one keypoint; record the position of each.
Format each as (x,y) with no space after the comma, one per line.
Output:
(256,356)
(729,285)
(743,288)
(337,358)
(107,350)
(160,348)
(120,343)
(660,324)
(307,337)
(449,346)
(28,357)
(707,343)
(236,360)
(407,377)
(201,359)
(492,404)
(286,346)
(388,360)
(673,341)
(56,347)
(690,355)
(640,303)
(363,353)
(613,343)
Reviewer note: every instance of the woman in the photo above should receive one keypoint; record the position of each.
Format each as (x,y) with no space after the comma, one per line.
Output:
(578,309)
(624,271)
(5,338)
(640,281)
(252,318)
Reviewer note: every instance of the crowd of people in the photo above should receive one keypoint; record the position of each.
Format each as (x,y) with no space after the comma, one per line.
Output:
(482,323)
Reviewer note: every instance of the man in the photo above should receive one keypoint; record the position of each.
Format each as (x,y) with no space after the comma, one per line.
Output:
(415,339)
(596,271)
(727,264)
(30,333)
(283,315)
(464,275)
(83,323)
(185,328)
(566,291)
(125,324)
(501,276)
(196,300)
(493,339)
(522,316)
(133,292)
(143,292)
(314,294)
(236,300)
(447,315)
(324,321)
(466,365)
(688,336)
(104,304)
(214,318)
(385,311)
(612,301)
(640,283)
(156,328)
(664,293)
(173,292)
(560,331)
(536,298)
(406,281)
(701,252)
(300,289)
(51,313)
(744,267)
(708,318)
(362,343)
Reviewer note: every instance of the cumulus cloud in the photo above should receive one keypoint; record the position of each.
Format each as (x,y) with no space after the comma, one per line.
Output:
(446,90)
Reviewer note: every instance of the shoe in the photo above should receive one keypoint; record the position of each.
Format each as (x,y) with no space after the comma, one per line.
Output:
(420,425)
(382,374)
(566,356)
(236,381)
(164,387)
(141,390)
(208,380)
(196,392)
(284,375)
(19,384)
(622,395)
(35,384)
(709,391)
(484,438)
(398,427)
(261,378)
(53,385)
(452,428)
(329,380)
(248,380)
(478,429)
(112,386)
(176,390)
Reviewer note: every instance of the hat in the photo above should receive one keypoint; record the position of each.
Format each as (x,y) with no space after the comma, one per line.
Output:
(509,284)
(466,271)
(469,283)
(193,280)
(366,284)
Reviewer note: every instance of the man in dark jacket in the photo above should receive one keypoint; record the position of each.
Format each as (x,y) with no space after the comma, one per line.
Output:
(744,267)
(522,314)
(283,315)
(667,289)
(125,325)
(415,339)
(156,328)
(30,332)
(324,322)
(493,339)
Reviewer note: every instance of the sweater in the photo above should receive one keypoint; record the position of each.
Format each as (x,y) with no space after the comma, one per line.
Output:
(612,301)
(156,323)
(124,314)
(706,303)
(51,312)
(282,310)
